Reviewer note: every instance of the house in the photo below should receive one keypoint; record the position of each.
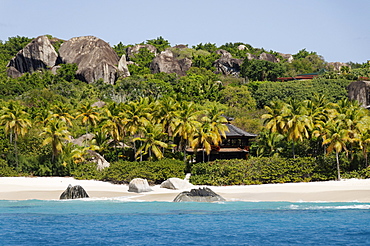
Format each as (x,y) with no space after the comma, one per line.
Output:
(235,146)
(299,77)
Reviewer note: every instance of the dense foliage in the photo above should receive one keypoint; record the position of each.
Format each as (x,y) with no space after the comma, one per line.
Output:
(261,170)
(147,120)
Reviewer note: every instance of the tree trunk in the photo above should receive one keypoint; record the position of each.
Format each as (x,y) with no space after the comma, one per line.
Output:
(338,169)
(16,154)
(293,151)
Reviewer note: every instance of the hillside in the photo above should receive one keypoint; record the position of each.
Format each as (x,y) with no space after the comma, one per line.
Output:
(154,100)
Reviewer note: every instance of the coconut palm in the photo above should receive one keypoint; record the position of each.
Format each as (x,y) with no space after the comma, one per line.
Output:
(166,113)
(61,112)
(56,134)
(205,137)
(336,137)
(151,141)
(186,124)
(135,117)
(297,124)
(16,124)
(269,143)
(218,123)
(274,118)
(89,115)
(112,122)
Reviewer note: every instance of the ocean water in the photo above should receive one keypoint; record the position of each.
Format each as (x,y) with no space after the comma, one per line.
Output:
(119,222)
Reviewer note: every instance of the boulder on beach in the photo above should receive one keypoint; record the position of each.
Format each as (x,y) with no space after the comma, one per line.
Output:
(199,195)
(176,184)
(74,192)
(139,185)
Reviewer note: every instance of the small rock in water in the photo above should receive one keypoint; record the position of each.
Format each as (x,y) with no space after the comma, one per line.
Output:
(74,192)
(199,195)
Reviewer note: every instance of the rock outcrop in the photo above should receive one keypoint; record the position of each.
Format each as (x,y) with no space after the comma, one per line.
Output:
(287,57)
(99,160)
(39,54)
(94,57)
(176,184)
(228,65)
(268,57)
(123,68)
(80,141)
(74,192)
(139,185)
(131,51)
(360,91)
(336,66)
(167,62)
(198,195)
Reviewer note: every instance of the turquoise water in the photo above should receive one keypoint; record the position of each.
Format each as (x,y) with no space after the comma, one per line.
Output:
(115,222)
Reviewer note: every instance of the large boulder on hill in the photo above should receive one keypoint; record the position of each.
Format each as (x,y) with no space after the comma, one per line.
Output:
(287,57)
(268,57)
(123,68)
(94,57)
(74,192)
(199,195)
(336,66)
(224,53)
(132,51)
(228,66)
(139,185)
(360,91)
(176,184)
(39,54)
(167,62)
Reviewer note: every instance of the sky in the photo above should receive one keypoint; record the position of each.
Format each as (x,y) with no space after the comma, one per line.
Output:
(338,30)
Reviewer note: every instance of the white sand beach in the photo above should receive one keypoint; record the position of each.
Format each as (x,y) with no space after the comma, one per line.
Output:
(50,188)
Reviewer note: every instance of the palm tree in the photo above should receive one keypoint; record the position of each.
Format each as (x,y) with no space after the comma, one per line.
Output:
(363,130)
(336,136)
(274,119)
(56,135)
(166,114)
(61,112)
(89,116)
(151,142)
(269,143)
(113,122)
(135,117)
(298,124)
(205,137)
(186,124)
(16,124)
(218,123)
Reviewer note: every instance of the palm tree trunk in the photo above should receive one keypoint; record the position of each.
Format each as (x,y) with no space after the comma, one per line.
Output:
(16,155)
(338,169)
(293,151)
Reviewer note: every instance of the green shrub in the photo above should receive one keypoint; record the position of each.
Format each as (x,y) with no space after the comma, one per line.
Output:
(5,170)
(261,170)
(87,170)
(154,171)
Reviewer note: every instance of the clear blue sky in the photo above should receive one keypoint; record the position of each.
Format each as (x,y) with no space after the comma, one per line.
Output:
(336,29)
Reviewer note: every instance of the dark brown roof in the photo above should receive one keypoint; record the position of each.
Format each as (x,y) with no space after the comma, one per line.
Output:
(237,132)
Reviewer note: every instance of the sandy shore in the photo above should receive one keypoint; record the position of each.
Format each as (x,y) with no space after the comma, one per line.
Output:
(49,188)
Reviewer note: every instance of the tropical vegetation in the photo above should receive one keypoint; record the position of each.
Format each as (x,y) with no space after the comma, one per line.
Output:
(307,130)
